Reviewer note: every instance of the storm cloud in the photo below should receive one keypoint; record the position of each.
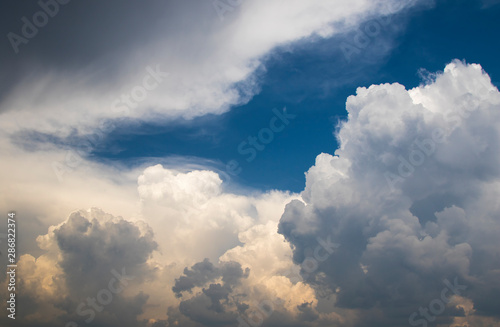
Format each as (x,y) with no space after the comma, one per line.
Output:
(410,197)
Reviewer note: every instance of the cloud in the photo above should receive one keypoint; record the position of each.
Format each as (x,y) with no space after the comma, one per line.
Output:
(229,241)
(227,296)
(205,271)
(96,243)
(91,261)
(193,188)
(193,217)
(195,207)
(161,70)
(210,306)
(406,213)
(409,196)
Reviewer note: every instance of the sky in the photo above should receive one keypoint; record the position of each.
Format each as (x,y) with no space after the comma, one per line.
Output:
(251,162)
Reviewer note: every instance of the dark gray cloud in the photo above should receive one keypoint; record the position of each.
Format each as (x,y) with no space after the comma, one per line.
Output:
(223,304)
(91,249)
(203,272)
(201,309)
(307,313)
(210,307)
(94,43)
(91,33)
(199,274)
(216,293)
(98,250)
(97,257)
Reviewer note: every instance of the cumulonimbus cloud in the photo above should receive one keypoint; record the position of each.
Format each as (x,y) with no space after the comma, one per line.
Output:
(405,208)
(410,197)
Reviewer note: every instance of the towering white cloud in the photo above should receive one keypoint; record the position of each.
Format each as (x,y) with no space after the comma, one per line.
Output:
(410,197)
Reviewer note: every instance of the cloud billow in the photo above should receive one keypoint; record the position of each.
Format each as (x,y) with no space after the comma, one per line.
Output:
(88,272)
(400,227)
(410,197)
(211,306)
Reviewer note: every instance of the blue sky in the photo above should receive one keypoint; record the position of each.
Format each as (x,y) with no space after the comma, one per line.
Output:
(312,79)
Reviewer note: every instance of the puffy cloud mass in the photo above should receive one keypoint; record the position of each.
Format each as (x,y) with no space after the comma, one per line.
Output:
(399,227)
(411,198)
(94,265)
(87,273)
